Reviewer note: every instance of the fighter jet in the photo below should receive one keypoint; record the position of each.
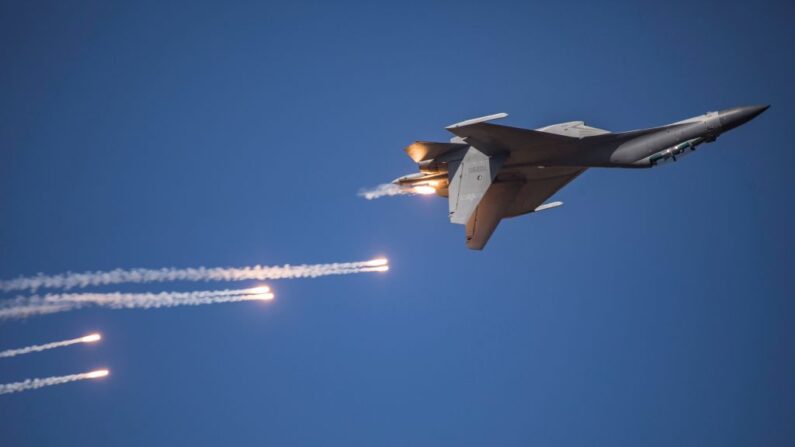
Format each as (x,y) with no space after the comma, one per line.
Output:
(490,172)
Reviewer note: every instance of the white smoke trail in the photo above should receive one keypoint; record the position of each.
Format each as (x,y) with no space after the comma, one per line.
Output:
(58,344)
(384,190)
(258,272)
(32,384)
(60,302)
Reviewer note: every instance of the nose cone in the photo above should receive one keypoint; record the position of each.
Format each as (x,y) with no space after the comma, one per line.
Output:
(737,116)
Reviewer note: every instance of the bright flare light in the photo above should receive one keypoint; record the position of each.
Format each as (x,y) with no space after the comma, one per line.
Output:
(258,290)
(260,293)
(424,190)
(263,296)
(91,338)
(377,262)
(97,374)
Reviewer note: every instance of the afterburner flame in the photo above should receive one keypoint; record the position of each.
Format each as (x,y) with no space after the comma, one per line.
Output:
(91,338)
(97,374)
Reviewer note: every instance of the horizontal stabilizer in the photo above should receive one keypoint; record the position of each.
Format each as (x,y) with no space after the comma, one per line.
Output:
(469,179)
(489,213)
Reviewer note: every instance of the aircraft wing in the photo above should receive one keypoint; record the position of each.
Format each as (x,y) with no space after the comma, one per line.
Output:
(494,138)
(545,143)
(539,185)
(524,193)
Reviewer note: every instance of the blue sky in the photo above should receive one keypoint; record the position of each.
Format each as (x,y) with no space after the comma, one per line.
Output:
(654,308)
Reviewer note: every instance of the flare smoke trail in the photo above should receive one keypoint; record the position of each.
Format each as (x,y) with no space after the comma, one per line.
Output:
(58,344)
(60,302)
(32,384)
(258,272)
(384,190)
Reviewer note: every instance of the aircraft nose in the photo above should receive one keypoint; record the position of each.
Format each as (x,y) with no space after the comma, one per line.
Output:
(737,116)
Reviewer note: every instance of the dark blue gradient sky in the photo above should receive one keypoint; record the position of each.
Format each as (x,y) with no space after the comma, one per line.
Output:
(655,308)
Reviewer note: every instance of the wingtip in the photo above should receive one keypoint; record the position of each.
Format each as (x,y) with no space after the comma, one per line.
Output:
(481,119)
(549,205)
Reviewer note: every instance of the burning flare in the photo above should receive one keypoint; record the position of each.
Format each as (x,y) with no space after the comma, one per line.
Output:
(377,262)
(97,374)
(58,344)
(120,276)
(390,189)
(32,384)
(424,190)
(92,338)
(260,293)
(60,302)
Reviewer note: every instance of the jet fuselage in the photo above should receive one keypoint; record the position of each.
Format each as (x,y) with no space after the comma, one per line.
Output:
(490,172)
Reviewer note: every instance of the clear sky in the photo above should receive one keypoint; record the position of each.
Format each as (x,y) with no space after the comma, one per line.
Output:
(654,308)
